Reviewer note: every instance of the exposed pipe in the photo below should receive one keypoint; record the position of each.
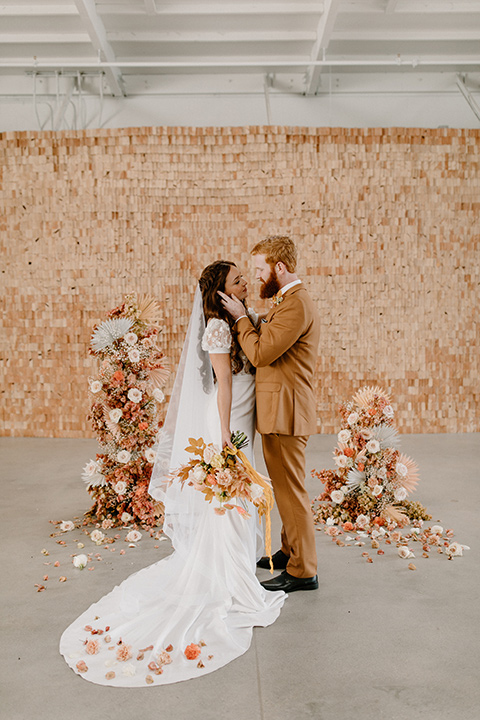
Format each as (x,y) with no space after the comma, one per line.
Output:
(267,84)
(35,104)
(397,62)
(468,96)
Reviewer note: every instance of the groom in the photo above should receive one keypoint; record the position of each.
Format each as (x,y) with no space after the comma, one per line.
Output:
(284,351)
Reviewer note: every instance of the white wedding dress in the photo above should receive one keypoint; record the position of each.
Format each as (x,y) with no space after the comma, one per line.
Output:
(205,593)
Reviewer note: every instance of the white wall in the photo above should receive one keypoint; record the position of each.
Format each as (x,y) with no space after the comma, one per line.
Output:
(347,100)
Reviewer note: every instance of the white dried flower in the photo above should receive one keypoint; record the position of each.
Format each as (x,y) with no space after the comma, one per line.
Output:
(97,537)
(337,496)
(115,415)
(344,436)
(123,456)
(361,521)
(133,536)
(158,395)
(373,446)
(67,526)
(134,395)
(80,561)
(341,461)
(130,338)
(120,487)
(134,355)
(150,455)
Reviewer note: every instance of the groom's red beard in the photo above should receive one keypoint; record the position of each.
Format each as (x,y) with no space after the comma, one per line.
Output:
(270,287)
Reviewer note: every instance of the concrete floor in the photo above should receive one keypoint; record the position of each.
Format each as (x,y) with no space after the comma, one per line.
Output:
(375,641)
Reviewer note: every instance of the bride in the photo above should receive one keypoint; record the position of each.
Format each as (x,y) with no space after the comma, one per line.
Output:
(194,611)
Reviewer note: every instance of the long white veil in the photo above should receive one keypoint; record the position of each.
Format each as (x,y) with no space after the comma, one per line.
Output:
(185,418)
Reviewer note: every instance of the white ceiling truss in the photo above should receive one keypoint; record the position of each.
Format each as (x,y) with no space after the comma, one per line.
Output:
(135,47)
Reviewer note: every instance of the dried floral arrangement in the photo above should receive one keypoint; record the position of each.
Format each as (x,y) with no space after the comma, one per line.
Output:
(367,494)
(372,479)
(125,414)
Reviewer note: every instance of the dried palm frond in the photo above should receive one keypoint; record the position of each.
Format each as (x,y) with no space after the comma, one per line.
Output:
(366,395)
(387,436)
(355,478)
(411,479)
(148,310)
(112,426)
(157,377)
(108,331)
(158,509)
(394,513)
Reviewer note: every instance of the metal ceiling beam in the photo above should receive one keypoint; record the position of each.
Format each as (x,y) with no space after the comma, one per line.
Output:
(324,32)
(98,37)
(426,7)
(212,37)
(36,10)
(258,8)
(421,35)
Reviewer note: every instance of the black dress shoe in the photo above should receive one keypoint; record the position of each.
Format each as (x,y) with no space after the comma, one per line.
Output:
(279,560)
(289,583)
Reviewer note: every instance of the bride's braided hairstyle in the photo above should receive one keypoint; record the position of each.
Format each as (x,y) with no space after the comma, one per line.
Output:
(211,280)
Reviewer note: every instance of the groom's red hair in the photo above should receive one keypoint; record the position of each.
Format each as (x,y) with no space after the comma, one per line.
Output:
(277,248)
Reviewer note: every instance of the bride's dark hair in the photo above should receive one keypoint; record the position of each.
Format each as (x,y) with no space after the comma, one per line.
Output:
(211,281)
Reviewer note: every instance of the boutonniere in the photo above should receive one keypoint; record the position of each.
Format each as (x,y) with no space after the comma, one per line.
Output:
(277,299)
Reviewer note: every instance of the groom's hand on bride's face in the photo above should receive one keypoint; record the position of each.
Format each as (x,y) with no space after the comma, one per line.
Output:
(232,305)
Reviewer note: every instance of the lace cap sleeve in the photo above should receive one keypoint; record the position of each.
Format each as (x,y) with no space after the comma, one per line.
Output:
(217,337)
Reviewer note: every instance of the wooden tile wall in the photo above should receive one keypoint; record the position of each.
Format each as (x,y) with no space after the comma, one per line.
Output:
(386,221)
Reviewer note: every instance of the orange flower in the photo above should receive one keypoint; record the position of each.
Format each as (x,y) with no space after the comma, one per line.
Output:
(348,526)
(118,377)
(81,666)
(192,651)
(142,426)
(349,452)
(361,467)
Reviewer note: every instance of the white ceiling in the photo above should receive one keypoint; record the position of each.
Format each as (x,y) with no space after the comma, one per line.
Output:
(145,46)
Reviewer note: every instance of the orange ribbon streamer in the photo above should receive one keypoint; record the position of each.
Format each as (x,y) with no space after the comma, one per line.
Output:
(266,486)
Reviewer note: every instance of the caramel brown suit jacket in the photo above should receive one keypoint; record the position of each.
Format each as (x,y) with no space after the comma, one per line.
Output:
(284,351)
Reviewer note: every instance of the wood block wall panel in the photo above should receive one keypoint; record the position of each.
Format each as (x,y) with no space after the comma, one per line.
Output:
(386,221)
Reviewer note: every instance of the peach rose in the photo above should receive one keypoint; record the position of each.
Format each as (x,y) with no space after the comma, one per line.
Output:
(92,647)
(192,651)
(81,666)
(124,652)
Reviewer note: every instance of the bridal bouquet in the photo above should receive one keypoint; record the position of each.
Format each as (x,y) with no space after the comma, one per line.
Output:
(227,476)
